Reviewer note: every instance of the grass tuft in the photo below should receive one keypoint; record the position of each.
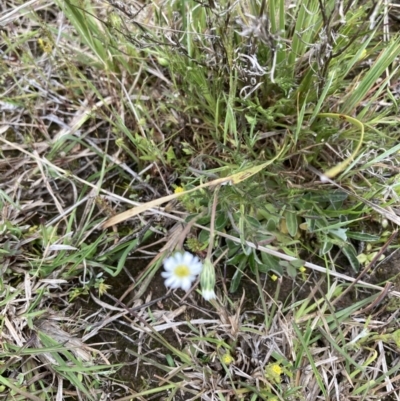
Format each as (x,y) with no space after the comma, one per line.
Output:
(261,136)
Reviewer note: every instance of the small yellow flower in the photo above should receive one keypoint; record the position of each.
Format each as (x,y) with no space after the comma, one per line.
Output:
(45,45)
(274,277)
(227,359)
(303,274)
(179,190)
(273,372)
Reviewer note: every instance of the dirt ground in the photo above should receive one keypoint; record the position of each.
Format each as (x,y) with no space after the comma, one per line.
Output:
(118,338)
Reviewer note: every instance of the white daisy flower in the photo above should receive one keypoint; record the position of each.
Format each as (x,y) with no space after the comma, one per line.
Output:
(181,269)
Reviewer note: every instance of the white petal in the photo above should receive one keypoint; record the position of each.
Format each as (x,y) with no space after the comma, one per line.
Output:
(169,263)
(172,282)
(177,256)
(165,274)
(187,258)
(196,260)
(190,259)
(186,283)
(196,268)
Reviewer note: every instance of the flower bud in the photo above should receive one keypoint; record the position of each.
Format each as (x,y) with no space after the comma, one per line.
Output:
(207,280)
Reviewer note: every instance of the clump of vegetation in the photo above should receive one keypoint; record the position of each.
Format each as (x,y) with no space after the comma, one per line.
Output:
(261,137)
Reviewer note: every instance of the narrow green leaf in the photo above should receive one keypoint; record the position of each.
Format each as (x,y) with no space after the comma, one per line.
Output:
(291,222)
(326,247)
(351,255)
(363,236)
(237,277)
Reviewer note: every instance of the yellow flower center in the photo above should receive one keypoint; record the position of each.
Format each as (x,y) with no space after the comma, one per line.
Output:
(182,271)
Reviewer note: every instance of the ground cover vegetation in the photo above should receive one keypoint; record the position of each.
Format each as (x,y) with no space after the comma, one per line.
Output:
(260,136)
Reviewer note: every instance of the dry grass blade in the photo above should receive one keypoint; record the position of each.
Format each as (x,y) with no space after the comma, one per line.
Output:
(232,179)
